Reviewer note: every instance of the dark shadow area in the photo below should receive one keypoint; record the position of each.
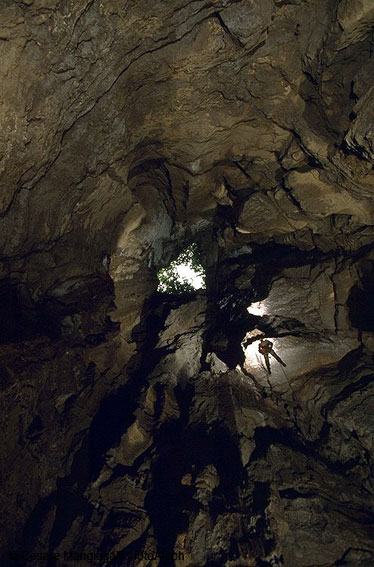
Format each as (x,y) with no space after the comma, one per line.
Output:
(35,429)
(361,304)
(171,503)
(21,318)
(114,416)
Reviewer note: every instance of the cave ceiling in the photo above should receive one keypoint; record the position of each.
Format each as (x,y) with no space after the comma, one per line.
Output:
(134,419)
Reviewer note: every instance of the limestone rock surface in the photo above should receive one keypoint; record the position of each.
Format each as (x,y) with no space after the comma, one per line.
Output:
(141,426)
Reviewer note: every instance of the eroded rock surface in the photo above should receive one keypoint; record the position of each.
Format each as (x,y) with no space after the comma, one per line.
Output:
(144,427)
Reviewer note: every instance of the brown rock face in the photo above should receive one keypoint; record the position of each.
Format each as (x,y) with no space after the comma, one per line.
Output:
(141,428)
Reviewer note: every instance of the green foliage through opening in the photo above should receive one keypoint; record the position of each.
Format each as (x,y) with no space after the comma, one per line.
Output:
(183,275)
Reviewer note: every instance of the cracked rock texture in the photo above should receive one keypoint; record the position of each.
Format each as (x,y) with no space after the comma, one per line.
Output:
(138,423)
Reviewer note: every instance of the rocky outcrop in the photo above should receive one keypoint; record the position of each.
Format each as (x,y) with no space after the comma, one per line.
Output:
(144,427)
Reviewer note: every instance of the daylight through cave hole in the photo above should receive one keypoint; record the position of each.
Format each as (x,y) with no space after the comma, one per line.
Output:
(185,274)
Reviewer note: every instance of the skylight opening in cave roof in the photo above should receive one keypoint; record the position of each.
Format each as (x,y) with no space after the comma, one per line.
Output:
(188,274)
(183,275)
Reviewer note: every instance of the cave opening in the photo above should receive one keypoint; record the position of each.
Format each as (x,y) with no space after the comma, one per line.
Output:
(185,274)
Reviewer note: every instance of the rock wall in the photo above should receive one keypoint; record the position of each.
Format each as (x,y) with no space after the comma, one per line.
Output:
(141,427)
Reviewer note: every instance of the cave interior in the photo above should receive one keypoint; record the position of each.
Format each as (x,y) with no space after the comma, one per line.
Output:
(139,424)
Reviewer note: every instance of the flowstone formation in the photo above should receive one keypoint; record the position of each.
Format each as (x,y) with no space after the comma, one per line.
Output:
(139,427)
